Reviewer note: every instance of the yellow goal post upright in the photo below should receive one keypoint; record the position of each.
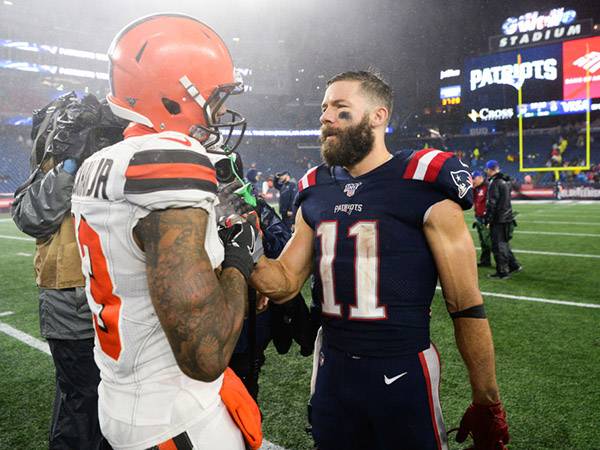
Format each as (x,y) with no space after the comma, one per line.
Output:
(587,129)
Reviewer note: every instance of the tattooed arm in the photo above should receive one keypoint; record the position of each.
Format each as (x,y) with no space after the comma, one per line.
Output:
(201,315)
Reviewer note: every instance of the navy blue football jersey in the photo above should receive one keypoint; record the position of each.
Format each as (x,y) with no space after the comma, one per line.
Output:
(374,272)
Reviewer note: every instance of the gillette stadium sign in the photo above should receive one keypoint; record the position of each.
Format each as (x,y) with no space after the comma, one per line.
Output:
(539,27)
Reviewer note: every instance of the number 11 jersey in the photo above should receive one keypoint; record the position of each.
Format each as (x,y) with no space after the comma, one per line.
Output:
(374,272)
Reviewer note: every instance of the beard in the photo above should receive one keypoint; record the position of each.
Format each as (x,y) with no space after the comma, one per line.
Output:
(350,145)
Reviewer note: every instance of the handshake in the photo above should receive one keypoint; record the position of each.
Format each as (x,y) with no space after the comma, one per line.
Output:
(242,240)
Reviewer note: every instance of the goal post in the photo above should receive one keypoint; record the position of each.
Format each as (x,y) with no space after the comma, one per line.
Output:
(587,129)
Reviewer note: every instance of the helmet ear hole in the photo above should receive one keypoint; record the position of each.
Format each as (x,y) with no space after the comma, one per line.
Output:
(171,106)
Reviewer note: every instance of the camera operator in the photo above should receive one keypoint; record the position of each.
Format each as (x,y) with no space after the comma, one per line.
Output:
(64,133)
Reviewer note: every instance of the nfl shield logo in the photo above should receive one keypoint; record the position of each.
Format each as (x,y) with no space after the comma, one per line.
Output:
(350,189)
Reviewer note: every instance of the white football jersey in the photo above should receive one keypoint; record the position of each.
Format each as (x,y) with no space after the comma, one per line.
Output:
(114,189)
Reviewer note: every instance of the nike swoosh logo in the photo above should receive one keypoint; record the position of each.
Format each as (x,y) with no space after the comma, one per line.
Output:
(185,141)
(391,380)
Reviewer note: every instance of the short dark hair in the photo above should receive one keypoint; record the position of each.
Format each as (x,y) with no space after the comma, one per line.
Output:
(372,84)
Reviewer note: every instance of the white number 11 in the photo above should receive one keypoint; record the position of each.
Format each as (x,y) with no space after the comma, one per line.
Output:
(366,270)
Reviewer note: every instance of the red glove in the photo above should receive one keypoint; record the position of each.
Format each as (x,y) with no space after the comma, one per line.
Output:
(487,425)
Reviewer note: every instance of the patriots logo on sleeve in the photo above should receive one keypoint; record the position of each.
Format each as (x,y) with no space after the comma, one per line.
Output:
(445,171)
(463,181)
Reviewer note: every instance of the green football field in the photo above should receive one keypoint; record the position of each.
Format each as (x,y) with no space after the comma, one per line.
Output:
(545,320)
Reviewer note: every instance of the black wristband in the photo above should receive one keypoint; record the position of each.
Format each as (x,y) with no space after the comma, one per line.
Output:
(474,312)
(242,261)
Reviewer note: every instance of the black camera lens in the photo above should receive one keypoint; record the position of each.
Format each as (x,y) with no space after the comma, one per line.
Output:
(224,171)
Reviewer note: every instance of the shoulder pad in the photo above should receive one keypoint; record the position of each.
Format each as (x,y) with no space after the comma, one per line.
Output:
(426,164)
(168,162)
(447,173)
(309,179)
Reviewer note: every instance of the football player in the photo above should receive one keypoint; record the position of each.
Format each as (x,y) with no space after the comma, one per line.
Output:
(166,324)
(378,230)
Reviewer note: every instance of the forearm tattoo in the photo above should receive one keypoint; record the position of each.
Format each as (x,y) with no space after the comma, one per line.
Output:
(200,314)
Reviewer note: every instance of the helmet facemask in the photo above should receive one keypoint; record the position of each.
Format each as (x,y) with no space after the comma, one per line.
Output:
(210,135)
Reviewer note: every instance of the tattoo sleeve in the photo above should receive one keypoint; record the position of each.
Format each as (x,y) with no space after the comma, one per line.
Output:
(201,315)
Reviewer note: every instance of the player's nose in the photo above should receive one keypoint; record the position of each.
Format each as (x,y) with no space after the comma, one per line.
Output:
(327,117)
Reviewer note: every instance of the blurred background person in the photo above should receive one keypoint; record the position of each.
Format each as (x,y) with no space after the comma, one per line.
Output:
(287,193)
(253,176)
(269,193)
(501,220)
(480,188)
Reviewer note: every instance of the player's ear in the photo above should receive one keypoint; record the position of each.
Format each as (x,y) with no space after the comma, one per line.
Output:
(379,116)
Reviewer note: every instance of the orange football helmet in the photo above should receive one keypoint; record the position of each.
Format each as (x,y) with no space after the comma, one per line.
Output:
(173,72)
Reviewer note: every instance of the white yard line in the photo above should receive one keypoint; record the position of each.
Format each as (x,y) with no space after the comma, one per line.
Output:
(25,338)
(270,446)
(537,252)
(43,347)
(585,213)
(557,203)
(17,238)
(558,233)
(553,233)
(6,313)
(23,254)
(575,255)
(593,224)
(537,299)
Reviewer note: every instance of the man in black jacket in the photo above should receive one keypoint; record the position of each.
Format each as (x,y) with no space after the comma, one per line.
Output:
(287,194)
(500,218)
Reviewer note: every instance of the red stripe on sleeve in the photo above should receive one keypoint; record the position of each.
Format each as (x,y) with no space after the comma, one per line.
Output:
(435,166)
(309,179)
(312,177)
(414,162)
(171,170)
(430,398)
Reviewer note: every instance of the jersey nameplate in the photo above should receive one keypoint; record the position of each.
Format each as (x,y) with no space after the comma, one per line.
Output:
(92,178)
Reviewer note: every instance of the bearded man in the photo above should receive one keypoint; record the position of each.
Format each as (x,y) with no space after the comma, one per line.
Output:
(377,230)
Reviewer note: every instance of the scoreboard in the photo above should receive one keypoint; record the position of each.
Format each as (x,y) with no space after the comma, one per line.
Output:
(553,79)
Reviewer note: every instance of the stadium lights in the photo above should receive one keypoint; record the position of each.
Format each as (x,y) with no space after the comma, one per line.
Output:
(50,69)
(84,54)
(52,49)
(287,133)
(20,120)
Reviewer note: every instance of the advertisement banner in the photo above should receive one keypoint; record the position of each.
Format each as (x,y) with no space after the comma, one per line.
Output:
(581,64)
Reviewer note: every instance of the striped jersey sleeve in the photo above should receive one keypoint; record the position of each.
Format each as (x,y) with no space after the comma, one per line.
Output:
(160,178)
(307,181)
(445,171)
